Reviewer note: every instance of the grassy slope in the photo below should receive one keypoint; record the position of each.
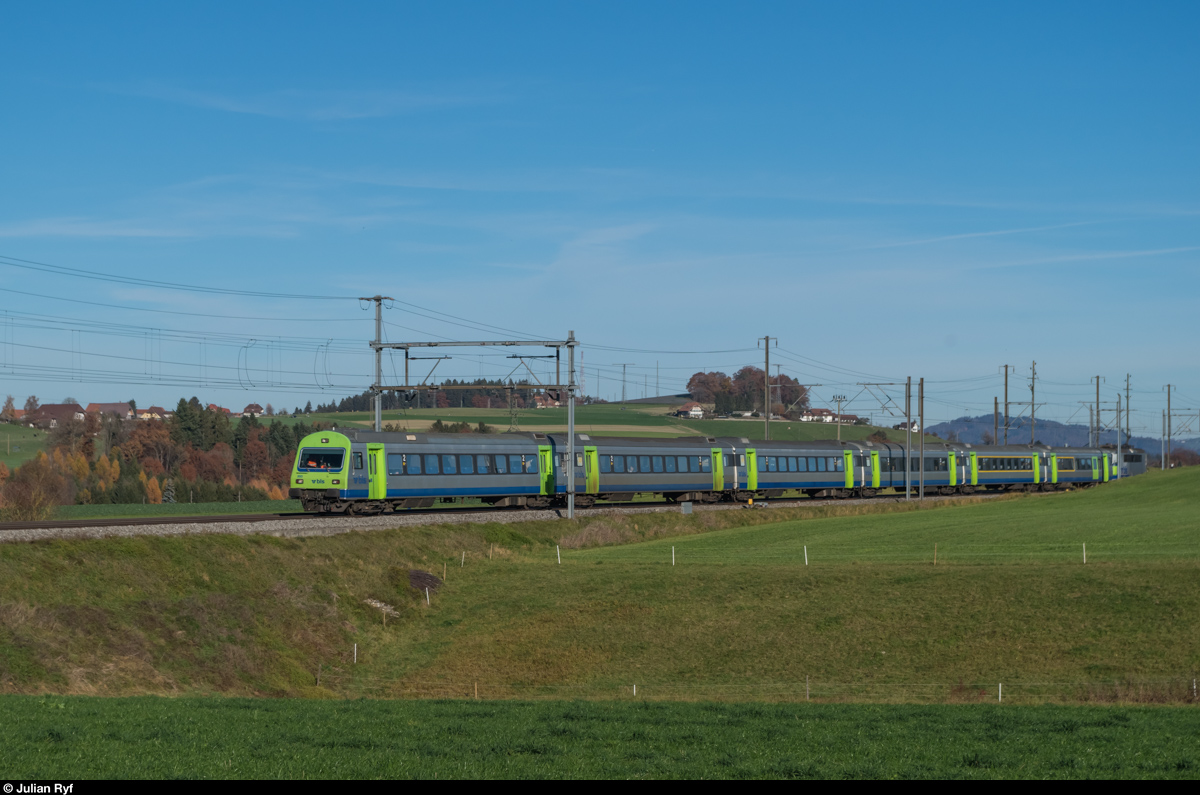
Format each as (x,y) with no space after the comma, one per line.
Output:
(54,738)
(740,617)
(123,511)
(653,421)
(19,443)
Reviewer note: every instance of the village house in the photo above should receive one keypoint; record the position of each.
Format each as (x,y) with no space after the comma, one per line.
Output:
(545,402)
(49,416)
(817,415)
(153,413)
(122,410)
(253,410)
(215,407)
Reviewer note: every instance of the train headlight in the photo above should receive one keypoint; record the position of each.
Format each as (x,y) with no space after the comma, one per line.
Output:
(299,481)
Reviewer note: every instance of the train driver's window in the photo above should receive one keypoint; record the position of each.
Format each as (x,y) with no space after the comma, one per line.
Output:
(670,463)
(705,464)
(514,464)
(501,464)
(483,464)
(449,465)
(358,461)
(431,464)
(466,464)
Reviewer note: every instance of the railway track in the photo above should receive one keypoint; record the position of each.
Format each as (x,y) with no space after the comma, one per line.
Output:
(417,516)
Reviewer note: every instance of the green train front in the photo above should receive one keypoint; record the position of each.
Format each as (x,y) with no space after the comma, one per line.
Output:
(368,472)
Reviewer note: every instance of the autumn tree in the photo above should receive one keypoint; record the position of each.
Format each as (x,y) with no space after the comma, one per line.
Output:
(9,412)
(31,403)
(33,491)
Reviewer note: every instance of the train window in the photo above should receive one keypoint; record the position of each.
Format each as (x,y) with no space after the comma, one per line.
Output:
(683,463)
(449,465)
(644,460)
(319,460)
(631,463)
(657,463)
(772,463)
(618,463)
(358,460)
(670,463)
(822,463)
(1133,458)
(483,464)
(502,464)
(839,464)
(395,463)
(579,459)
(802,464)
(514,464)
(705,464)
(466,464)
(531,464)
(606,463)
(431,464)
(412,463)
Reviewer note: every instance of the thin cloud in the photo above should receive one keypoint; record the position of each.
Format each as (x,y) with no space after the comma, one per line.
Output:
(969,235)
(85,227)
(310,105)
(1096,255)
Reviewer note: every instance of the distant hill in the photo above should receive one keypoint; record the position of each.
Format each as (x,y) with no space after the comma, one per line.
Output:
(1055,434)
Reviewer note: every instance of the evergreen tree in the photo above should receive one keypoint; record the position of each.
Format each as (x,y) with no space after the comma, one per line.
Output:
(308,407)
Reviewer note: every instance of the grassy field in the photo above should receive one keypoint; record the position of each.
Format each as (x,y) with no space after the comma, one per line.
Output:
(47,737)
(739,617)
(18,444)
(124,511)
(609,419)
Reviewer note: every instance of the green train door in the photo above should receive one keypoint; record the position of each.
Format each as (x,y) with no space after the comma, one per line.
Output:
(1104,459)
(718,469)
(546,462)
(591,469)
(1053,467)
(874,469)
(951,460)
(376,473)
(848,459)
(752,470)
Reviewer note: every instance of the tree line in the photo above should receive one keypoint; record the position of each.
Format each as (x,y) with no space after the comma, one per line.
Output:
(198,455)
(746,391)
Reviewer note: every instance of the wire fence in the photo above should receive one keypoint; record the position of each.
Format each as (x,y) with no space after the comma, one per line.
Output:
(1176,690)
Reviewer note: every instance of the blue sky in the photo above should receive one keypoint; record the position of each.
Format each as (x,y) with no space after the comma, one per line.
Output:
(889,189)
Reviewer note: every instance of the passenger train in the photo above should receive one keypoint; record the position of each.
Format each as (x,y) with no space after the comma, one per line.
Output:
(369,472)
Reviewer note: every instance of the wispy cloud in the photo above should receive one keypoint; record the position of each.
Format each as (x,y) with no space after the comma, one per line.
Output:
(311,105)
(969,235)
(1091,256)
(89,227)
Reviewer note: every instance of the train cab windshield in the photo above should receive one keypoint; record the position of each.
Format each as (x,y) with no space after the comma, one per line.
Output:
(315,459)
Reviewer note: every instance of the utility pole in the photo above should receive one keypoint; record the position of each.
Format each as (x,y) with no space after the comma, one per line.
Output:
(1091,428)
(657,385)
(570,467)
(1006,369)
(1120,452)
(1127,407)
(1033,404)
(622,365)
(375,387)
(1168,434)
(1097,379)
(908,439)
(921,414)
(995,420)
(767,391)
(838,418)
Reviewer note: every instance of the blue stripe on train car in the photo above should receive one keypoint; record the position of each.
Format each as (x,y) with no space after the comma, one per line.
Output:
(459,492)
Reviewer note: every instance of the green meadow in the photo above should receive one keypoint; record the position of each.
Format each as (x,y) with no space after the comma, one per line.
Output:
(47,737)
(867,660)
